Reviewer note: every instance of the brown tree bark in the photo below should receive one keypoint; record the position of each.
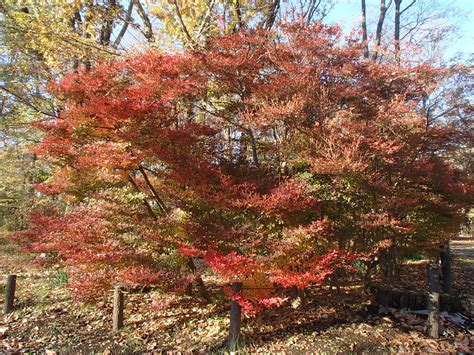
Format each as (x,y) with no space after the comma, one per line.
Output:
(445,256)
(106,31)
(145,202)
(398,15)
(201,287)
(238,23)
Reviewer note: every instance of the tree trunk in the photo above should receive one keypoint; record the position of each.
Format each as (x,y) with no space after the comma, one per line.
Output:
(445,257)
(378,33)
(388,264)
(201,287)
(253,144)
(238,23)
(145,202)
(364,30)
(397,30)
(127,21)
(370,266)
(153,191)
(148,32)
(272,10)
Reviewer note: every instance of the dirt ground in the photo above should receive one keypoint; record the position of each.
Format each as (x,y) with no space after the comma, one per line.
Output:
(46,318)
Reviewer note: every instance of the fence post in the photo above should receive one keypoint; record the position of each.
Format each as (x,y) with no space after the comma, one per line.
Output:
(9,294)
(235,318)
(118,308)
(445,257)
(433,300)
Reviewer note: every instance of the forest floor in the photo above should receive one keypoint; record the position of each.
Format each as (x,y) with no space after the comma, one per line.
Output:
(46,318)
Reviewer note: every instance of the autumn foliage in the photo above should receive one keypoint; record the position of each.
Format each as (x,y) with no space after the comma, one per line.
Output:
(275,157)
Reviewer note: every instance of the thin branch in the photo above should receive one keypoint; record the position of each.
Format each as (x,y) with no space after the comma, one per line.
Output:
(27,103)
(406,8)
(312,8)
(145,202)
(181,22)
(206,18)
(158,200)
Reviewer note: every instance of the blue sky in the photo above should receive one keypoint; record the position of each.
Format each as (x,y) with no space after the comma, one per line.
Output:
(347,13)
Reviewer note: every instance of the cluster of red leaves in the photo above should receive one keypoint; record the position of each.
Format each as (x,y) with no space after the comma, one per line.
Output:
(260,153)
(316,270)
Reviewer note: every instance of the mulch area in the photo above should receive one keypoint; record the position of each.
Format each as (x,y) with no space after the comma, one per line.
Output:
(46,318)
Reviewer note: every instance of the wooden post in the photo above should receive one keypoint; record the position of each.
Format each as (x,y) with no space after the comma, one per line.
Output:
(235,318)
(118,308)
(433,300)
(9,294)
(445,257)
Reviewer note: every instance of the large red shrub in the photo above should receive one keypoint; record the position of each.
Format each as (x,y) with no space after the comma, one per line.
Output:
(276,157)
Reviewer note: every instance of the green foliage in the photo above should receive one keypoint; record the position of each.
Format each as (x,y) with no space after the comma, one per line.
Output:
(414,256)
(58,278)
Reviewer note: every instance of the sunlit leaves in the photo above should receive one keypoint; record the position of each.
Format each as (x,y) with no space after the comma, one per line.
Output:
(277,158)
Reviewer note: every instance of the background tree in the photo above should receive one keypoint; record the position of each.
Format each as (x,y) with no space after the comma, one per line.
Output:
(39,43)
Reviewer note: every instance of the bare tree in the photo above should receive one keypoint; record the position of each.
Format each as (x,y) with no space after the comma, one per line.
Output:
(380,22)
(313,10)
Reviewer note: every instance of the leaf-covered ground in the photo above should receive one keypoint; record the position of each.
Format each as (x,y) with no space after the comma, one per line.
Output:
(45,318)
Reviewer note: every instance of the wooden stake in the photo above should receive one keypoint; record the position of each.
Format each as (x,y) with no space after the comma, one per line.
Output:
(118,308)
(235,319)
(433,300)
(9,294)
(445,257)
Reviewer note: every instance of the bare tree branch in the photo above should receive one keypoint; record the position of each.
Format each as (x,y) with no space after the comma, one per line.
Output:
(406,8)
(123,30)
(27,103)
(148,33)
